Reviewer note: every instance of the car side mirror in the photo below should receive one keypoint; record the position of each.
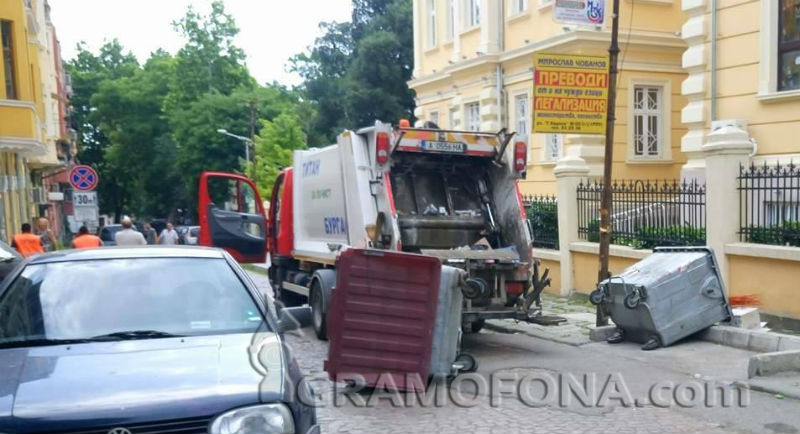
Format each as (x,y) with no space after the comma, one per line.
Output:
(293,318)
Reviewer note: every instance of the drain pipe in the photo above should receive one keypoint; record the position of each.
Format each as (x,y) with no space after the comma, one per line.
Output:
(713,60)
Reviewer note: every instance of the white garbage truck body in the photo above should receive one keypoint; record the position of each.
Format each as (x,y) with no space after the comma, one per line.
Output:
(449,194)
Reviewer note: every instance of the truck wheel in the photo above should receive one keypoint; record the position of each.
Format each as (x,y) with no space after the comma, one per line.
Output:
(474,326)
(318,316)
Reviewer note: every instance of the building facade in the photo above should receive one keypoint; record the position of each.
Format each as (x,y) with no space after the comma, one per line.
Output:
(31,111)
(474,70)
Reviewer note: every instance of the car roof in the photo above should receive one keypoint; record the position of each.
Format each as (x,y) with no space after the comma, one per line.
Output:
(129,252)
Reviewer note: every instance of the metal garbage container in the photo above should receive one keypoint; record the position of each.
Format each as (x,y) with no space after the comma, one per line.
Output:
(671,294)
(445,357)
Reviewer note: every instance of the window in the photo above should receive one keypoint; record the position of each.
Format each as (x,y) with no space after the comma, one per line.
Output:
(434,117)
(473,13)
(553,143)
(521,110)
(451,19)
(647,114)
(519,6)
(8,59)
(472,115)
(789,45)
(453,119)
(431,23)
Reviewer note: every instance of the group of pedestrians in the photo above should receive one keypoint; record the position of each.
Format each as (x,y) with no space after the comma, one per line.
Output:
(28,243)
(129,236)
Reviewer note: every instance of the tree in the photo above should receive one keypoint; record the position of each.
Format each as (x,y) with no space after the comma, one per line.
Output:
(274,146)
(140,154)
(88,71)
(357,72)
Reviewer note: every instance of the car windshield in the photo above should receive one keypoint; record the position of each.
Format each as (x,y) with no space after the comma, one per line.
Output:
(87,299)
(194,232)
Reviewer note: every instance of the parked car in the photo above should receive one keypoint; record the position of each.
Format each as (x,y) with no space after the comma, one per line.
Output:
(9,258)
(136,339)
(181,230)
(107,234)
(190,237)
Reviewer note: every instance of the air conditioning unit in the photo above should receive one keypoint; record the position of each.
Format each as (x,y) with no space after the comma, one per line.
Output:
(39,196)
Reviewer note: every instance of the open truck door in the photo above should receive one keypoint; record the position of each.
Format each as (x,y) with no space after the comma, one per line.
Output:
(232,217)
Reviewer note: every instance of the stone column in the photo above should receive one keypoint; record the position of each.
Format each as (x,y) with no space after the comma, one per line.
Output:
(457,20)
(569,172)
(725,151)
(695,61)
(490,27)
(417,23)
(589,148)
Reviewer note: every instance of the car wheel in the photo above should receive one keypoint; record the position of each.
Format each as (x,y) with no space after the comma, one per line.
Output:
(318,317)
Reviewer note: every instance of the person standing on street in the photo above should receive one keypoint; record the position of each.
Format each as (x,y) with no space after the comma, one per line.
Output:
(26,243)
(85,240)
(44,232)
(128,236)
(150,234)
(168,236)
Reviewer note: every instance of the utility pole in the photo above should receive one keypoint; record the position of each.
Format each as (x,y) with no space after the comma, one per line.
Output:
(605,200)
(252,104)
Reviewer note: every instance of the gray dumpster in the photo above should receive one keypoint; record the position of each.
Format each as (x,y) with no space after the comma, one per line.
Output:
(671,294)
(445,357)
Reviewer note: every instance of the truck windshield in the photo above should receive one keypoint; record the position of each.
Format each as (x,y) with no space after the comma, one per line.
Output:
(81,300)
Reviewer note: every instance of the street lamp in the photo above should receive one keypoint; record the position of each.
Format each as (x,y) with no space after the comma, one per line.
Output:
(247,142)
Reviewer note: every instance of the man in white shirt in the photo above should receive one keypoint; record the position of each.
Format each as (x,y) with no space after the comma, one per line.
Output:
(168,236)
(128,236)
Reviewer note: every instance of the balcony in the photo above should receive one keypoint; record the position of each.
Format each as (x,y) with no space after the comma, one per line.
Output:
(18,127)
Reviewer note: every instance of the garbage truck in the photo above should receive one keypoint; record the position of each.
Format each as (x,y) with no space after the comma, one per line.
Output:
(451,195)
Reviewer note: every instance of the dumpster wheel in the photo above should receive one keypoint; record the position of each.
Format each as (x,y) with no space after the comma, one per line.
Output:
(466,363)
(632,300)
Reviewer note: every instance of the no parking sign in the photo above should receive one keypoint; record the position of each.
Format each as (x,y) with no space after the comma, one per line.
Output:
(83,178)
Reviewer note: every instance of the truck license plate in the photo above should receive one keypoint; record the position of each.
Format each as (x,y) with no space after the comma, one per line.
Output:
(450,147)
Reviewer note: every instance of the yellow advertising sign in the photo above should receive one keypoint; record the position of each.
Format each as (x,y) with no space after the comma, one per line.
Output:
(570,94)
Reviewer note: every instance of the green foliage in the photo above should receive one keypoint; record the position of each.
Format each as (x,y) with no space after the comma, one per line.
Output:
(357,72)
(274,146)
(543,217)
(152,129)
(649,237)
(786,234)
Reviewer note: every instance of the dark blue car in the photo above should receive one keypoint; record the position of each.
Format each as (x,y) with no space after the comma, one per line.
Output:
(145,340)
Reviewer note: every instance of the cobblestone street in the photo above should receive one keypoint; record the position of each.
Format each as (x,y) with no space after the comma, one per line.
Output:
(521,352)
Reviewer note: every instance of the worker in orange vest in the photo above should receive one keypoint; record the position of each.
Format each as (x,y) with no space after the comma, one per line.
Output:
(85,240)
(26,243)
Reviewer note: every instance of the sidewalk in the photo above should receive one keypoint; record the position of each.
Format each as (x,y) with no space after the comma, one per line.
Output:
(580,315)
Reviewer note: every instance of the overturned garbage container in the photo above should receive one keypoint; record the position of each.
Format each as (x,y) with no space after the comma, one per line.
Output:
(394,320)
(671,294)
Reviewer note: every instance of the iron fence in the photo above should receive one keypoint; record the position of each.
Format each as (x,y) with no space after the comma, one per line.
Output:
(543,218)
(769,204)
(646,214)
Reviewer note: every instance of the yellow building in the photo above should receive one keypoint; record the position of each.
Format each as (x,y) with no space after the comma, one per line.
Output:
(474,70)
(22,123)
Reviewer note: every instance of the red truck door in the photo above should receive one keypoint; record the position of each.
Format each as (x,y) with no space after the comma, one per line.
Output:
(232,216)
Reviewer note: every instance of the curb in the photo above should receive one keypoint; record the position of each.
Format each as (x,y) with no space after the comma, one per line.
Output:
(772,363)
(751,340)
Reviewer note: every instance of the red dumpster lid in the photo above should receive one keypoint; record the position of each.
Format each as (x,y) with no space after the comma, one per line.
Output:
(381,318)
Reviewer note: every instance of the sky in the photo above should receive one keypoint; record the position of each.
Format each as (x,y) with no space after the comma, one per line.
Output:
(271,31)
